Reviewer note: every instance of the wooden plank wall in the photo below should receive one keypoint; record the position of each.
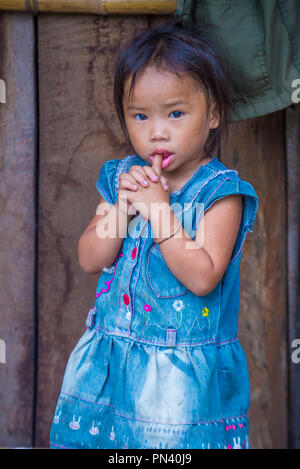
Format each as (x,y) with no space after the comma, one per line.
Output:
(78,132)
(293,255)
(256,149)
(17,228)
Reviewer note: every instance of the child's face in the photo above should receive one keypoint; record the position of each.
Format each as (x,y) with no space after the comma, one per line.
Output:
(167,113)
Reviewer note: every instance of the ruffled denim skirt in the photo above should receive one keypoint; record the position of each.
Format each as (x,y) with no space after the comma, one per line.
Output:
(119,393)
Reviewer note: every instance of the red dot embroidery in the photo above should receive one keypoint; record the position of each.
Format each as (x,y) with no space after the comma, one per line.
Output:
(133,254)
(126,299)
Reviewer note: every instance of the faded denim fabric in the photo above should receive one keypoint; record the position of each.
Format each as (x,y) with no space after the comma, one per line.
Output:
(158,366)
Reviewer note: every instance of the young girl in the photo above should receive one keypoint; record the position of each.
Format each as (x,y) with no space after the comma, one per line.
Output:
(160,364)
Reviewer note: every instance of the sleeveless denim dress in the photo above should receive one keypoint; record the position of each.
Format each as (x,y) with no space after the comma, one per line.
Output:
(158,366)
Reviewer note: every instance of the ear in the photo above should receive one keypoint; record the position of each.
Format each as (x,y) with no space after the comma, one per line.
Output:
(214,123)
(214,119)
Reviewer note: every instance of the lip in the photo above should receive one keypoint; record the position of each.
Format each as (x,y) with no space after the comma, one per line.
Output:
(167,159)
(162,151)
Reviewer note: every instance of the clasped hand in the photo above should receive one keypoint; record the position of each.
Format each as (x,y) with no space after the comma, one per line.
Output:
(145,197)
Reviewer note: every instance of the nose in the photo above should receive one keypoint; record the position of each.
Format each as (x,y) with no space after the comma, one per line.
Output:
(159,132)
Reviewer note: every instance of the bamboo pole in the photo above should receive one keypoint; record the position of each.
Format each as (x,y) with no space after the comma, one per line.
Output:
(99,7)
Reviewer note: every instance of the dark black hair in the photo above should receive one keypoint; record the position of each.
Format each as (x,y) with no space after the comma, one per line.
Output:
(193,51)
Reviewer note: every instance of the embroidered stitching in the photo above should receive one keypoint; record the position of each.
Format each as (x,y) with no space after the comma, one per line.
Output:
(243,237)
(155,342)
(221,184)
(191,177)
(210,178)
(122,168)
(156,293)
(138,273)
(103,192)
(197,422)
(105,290)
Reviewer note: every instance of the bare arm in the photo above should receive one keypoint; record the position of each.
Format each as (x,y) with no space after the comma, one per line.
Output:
(95,252)
(200,264)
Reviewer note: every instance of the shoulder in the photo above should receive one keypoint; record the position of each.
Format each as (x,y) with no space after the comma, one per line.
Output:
(217,185)
(221,181)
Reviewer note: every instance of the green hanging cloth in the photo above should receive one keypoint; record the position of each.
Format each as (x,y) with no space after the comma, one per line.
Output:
(261,45)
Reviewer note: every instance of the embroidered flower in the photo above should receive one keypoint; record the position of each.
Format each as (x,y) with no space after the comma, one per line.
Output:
(147,309)
(205,311)
(126,299)
(178,305)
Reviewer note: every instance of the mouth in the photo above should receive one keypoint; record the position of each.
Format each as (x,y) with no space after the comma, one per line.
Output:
(161,151)
(167,157)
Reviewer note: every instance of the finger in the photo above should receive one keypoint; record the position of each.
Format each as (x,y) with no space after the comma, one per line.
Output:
(140,176)
(127,182)
(151,173)
(136,170)
(164,182)
(156,165)
(125,194)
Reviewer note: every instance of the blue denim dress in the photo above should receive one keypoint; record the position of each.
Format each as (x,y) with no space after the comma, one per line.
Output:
(158,366)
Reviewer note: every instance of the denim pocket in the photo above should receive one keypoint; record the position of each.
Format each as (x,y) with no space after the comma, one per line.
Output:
(161,280)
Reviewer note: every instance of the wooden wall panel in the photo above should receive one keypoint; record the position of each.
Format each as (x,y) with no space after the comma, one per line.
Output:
(79,131)
(17,228)
(256,149)
(293,275)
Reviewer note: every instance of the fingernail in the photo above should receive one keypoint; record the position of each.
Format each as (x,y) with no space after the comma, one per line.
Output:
(166,187)
(155,178)
(145,183)
(134,186)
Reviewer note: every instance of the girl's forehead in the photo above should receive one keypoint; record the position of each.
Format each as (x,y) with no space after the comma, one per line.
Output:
(160,84)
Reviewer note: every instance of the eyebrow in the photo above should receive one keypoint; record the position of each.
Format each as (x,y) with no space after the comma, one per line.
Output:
(171,103)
